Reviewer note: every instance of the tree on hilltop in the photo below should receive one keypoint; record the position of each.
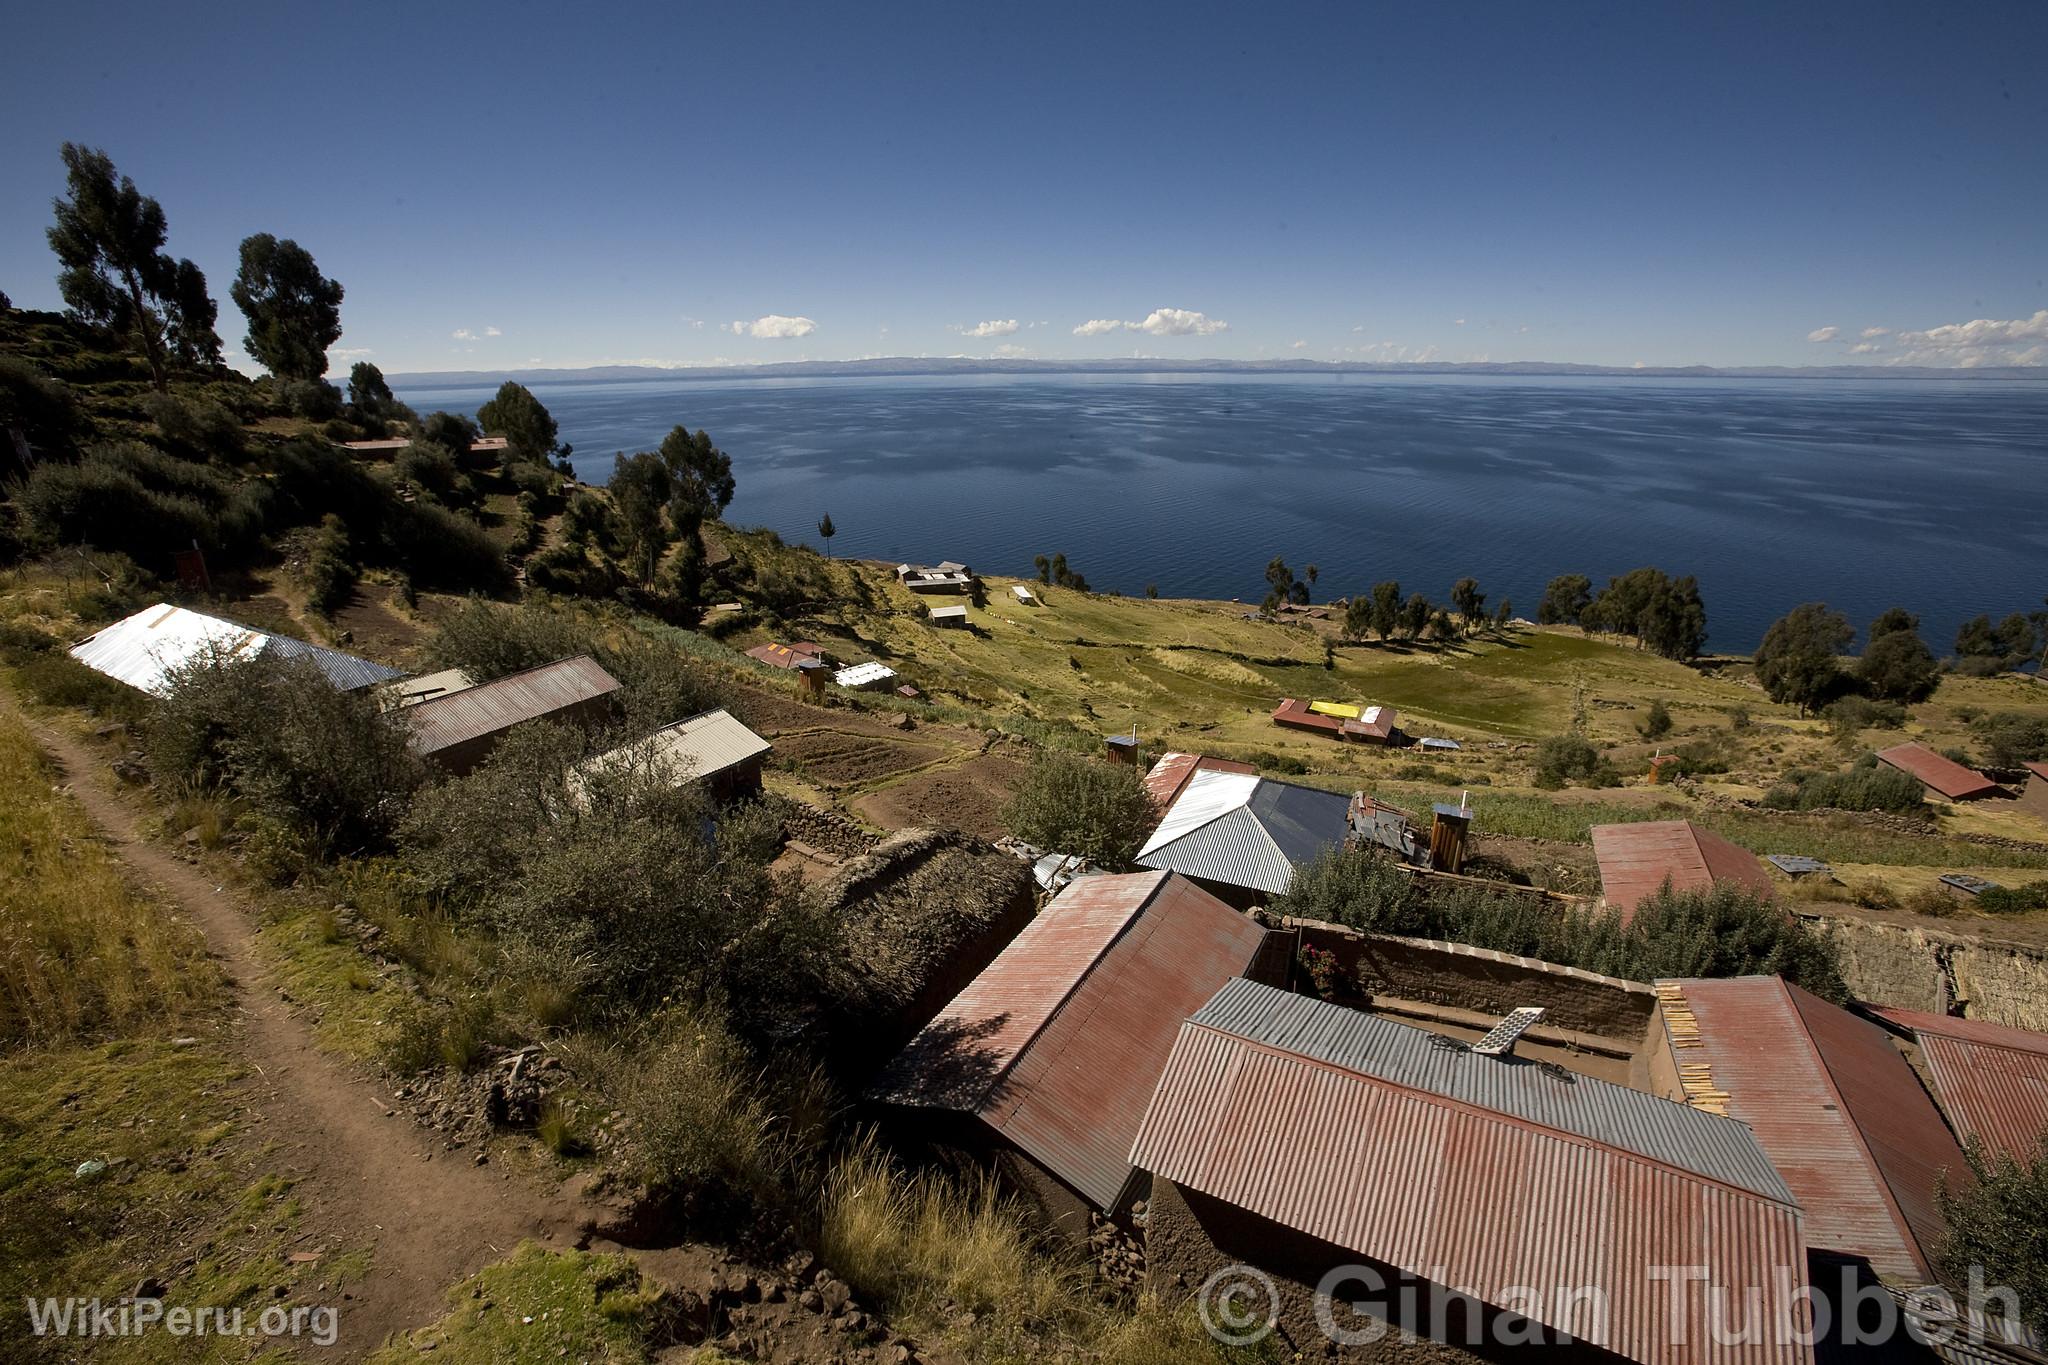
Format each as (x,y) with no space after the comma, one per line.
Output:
(1897,665)
(1565,599)
(294,312)
(1468,601)
(702,478)
(109,239)
(525,423)
(1798,661)
(826,530)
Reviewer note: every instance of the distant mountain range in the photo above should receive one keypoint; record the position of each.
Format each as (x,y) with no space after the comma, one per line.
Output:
(951,365)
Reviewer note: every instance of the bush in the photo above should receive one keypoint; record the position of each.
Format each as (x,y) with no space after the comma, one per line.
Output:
(331,767)
(197,427)
(57,679)
(1563,757)
(2014,900)
(130,498)
(1850,714)
(433,470)
(1656,721)
(2011,738)
(1997,1229)
(1730,930)
(1868,785)
(330,571)
(316,400)
(1358,889)
(700,1130)
(1069,803)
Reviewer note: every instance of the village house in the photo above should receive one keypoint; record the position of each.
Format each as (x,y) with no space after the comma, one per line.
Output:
(386,448)
(1240,836)
(1173,769)
(1942,776)
(457,732)
(2034,796)
(953,617)
(1638,859)
(1024,595)
(1341,719)
(144,650)
(1835,1106)
(790,656)
(864,676)
(1991,1081)
(1295,1136)
(424,687)
(1046,1059)
(712,748)
(946,577)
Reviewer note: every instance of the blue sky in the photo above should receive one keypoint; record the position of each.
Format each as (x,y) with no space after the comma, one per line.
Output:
(525,184)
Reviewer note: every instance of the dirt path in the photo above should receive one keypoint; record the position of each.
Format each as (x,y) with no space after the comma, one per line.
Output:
(367,1179)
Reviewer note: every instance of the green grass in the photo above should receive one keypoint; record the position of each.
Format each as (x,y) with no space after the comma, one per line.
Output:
(538,1307)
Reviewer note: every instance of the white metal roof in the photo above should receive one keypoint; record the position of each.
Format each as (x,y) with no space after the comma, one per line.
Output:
(1023,593)
(863,675)
(949,613)
(702,746)
(144,649)
(1243,830)
(1208,796)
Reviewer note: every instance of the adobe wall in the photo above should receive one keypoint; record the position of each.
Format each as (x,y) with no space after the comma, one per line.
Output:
(1190,1237)
(1488,982)
(1914,968)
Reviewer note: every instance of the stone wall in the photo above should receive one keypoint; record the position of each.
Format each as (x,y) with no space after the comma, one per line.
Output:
(1924,969)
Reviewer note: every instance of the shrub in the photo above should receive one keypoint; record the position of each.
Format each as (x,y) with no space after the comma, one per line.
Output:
(1563,757)
(316,400)
(1069,803)
(1656,721)
(1997,1228)
(2011,738)
(1354,887)
(700,1129)
(1730,930)
(2014,900)
(1868,785)
(197,427)
(330,570)
(130,498)
(329,766)
(57,679)
(433,470)
(1848,715)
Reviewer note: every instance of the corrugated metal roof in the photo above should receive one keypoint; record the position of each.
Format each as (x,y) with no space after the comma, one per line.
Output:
(863,675)
(2039,770)
(1173,770)
(1636,859)
(1943,775)
(1245,830)
(787,656)
(143,649)
(1059,1042)
(1838,1109)
(1296,713)
(502,703)
(702,746)
(1992,1080)
(1281,1108)
(426,686)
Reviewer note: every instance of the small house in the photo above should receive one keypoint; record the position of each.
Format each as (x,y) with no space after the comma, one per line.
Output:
(712,748)
(1024,595)
(1164,782)
(1240,836)
(862,676)
(145,649)
(953,618)
(1046,1059)
(1342,719)
(1941,775)
(457,732)
(412,691)
(945,577)
(1637,859)
(1992,1081)
(788,657)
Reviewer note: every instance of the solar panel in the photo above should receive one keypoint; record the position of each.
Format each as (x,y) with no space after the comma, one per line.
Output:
(1964,882)
(1798,865)
(1501,1039)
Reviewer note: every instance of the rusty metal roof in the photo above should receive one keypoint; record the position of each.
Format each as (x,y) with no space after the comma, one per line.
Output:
(1636,859)
(1059,1042)
(442,722)
(1173,770)
(2039,770)
(144,649)
(1839,1111)
(787,656)
(1943,775)
(1992,1081)
(1297,1111)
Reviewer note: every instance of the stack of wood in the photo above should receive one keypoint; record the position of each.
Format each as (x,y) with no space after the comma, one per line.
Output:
(1682,1026)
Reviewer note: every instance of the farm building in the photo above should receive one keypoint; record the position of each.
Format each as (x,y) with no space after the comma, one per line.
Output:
(1023,595)
(790,656)
(1241,835)
(1293,1135)
(389,448)
(1049,1056)
(458,731)
(946,577)
(1172,771)
(712,748)
(954,617)
(1637,859)
(1345,720)
(425,687)
(1992,1081)
(2034,796)
(143,650)
(1833,1102)
(858,676)
(1943,776)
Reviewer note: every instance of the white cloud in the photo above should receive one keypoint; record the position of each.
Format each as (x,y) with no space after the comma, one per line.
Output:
(1824,334)
(1982,341)
(1161,322)
(1869,332)
(1392,353)
(774,327)
(1297,345)
(1000,327)
(1457,322)
(344,353)
(492,332)
(463,334)
(1865,348)
(1008,351)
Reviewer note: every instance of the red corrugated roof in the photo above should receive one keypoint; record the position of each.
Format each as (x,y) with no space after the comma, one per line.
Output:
(457,717)
(1943,775)
(786,656)
(1471,1198)
(1636,859)
(1838,1109)
(2039,770)
(1173,770)
(1296,713)
(1992,1080)
(1059,1042)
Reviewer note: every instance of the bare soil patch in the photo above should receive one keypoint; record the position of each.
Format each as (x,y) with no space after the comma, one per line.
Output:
(371,627)
(969,797)
(833,758)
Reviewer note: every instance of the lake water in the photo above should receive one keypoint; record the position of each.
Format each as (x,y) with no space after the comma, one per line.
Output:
(1928,494)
